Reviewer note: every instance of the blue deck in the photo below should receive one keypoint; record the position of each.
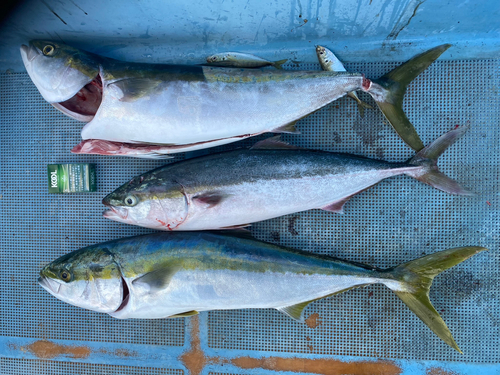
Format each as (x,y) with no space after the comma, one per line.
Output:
(362,331)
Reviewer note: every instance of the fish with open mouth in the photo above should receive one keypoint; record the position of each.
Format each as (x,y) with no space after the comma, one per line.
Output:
(178,274)
(235,188)
(180,107)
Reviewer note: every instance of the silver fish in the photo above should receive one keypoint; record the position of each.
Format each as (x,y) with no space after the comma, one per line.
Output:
(236,188)
(242,60)
(330,62)
(168,275)
(177,105)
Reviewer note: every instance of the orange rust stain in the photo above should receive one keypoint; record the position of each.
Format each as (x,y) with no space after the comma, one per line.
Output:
(439,371)
(318,366)
(47,349)
(194,360)
(313,321)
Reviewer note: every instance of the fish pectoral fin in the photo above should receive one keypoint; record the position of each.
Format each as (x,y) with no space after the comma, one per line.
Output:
(287,128)
(295,311)
(185,314)
(155,280)
(134,88)
(273,143)
(210,198)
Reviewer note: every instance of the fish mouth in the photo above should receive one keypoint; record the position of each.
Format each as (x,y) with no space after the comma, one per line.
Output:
(115,213)
(84,105)
(49,285)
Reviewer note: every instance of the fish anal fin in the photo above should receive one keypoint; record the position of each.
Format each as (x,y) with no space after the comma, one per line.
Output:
(134,88)
(296,311)
(155,280)
(287,128)
(338,206)
(210,198)
(273,143)
(185,314)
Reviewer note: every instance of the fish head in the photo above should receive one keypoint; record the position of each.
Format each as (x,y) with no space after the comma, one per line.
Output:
(148,201)
(64,76)
(215,58)
(89,278)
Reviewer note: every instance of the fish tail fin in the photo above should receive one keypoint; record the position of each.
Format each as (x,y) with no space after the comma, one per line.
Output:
(388,92)
(278,64)
(416,278)
(427,158)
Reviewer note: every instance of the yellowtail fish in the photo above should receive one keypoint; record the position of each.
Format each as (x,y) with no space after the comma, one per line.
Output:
(182,106)
(178,274)
(235,188)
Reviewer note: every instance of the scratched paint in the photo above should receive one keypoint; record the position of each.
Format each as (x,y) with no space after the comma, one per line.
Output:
(356,30)
(439,371)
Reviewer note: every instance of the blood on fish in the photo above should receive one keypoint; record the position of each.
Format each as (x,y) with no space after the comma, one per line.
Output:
(366,83)
(163,223)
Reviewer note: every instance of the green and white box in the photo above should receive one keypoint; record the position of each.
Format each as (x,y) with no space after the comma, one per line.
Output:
(72,178)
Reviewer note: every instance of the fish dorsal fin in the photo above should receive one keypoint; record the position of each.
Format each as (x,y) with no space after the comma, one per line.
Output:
(210,198)
(132,89)
(273,143)
(185,314)
(295,311)
(287,128)
(155,280)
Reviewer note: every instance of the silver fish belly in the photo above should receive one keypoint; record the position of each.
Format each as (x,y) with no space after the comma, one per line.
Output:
(218,103)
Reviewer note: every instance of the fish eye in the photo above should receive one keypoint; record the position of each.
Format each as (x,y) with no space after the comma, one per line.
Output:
(65,275)
(48,50)
(131,200)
